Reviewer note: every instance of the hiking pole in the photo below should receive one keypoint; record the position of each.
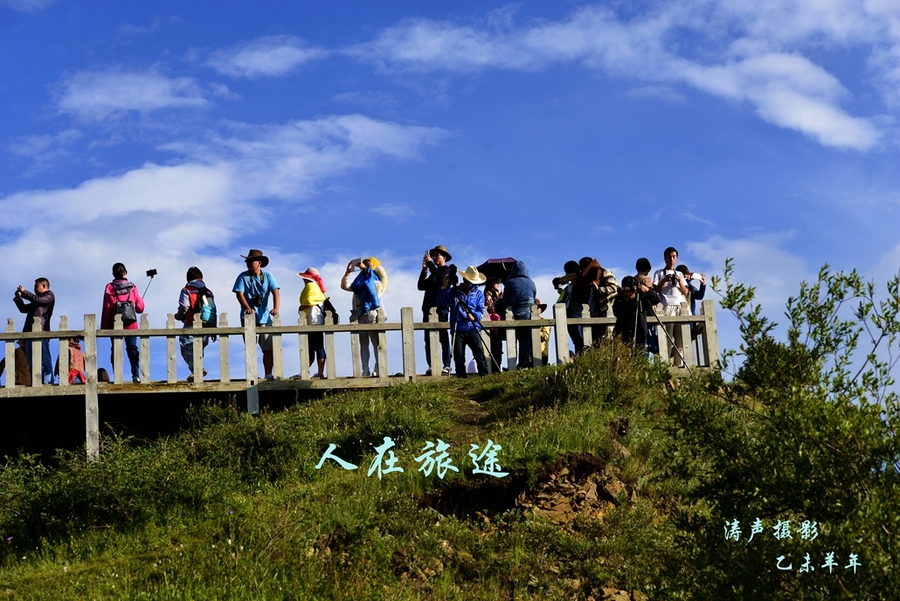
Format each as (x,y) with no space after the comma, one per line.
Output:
(480,327)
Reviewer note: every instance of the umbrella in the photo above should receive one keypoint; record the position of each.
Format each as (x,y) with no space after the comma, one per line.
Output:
(497,268)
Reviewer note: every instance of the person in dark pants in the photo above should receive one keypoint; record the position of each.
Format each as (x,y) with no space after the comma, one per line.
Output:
(466,302)
(118,293)
(434,269)
(635,297)
(40,304)
(518,297)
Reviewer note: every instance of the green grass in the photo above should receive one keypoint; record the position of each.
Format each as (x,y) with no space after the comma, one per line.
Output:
(233,507)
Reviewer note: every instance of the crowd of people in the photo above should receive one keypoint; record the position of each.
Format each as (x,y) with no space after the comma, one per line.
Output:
(456,296)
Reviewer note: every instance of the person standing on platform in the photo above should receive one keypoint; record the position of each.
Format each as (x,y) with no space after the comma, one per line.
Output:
(121,297)
(253,289)
(40,304)
(434,268)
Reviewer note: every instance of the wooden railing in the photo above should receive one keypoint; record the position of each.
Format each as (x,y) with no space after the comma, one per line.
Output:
(701,351)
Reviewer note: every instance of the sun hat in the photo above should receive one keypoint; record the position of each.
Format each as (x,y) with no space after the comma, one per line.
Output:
(256,255)
(473,276)
(441,249)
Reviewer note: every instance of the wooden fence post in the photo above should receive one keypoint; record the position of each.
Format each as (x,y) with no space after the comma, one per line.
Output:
(144,342)
(381,364)
(63,357)
(561,329)
(710,334)
(434,344)
(117,343)
(277,355)
(251,367)
(535,333)
(355,360)
(91,399)
(10,354)
(37,363)
(197,358)
(224,359)
(512,356)
(407,335)
(303,320)
(171,350)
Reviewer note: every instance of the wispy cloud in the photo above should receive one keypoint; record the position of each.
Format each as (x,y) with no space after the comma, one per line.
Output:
(394,211)
(95,96)
(45,150)
(272,56)
(761,63)
(24,5)
(658,92)
(369,99)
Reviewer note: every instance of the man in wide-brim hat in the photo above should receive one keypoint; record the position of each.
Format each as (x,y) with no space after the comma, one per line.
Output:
(434,268)
(466,302)
(252,289)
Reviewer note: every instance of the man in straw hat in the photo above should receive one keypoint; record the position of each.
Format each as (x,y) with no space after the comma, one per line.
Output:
(252,289)
(466,302)
(431,279)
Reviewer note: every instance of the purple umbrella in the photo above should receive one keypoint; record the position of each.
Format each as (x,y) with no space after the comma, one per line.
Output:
(496,268)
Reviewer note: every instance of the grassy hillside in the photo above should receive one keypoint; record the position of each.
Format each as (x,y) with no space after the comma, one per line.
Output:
(614,490)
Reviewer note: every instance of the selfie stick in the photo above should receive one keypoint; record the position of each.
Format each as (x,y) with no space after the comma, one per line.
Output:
(148,285)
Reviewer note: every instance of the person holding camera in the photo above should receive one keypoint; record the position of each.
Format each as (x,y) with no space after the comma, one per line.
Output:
(670,284)
(431,278)
(367,288)
(121,297)
(252,289)
(630,306)
(40,304)
(672,288)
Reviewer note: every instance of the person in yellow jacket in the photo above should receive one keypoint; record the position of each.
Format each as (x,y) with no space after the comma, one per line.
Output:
(311,298)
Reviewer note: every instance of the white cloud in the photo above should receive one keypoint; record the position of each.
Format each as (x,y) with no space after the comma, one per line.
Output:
(762,62)
(759,260)
(272,56)
(169,217)
(98,95)
(288,161)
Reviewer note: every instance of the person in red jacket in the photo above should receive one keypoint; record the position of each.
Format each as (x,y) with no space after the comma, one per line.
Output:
(121,297)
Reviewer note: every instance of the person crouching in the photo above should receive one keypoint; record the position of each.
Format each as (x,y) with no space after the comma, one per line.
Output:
(466,302)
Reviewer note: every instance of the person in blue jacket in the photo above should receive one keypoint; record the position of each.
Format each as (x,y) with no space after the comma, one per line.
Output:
(466,302)
(518,297)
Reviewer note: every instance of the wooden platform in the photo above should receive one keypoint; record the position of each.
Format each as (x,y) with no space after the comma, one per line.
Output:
(700,352)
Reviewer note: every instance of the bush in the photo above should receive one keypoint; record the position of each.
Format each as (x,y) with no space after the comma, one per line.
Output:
(804,433)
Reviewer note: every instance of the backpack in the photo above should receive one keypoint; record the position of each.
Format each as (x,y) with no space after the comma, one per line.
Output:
(205,308)
(328,306)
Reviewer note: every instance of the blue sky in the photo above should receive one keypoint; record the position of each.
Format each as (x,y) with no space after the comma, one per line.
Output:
(169,134)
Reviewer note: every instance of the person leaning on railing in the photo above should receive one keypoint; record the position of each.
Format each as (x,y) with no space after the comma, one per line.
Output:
(252,289)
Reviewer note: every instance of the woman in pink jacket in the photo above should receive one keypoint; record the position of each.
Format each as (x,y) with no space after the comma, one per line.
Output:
(122,297)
